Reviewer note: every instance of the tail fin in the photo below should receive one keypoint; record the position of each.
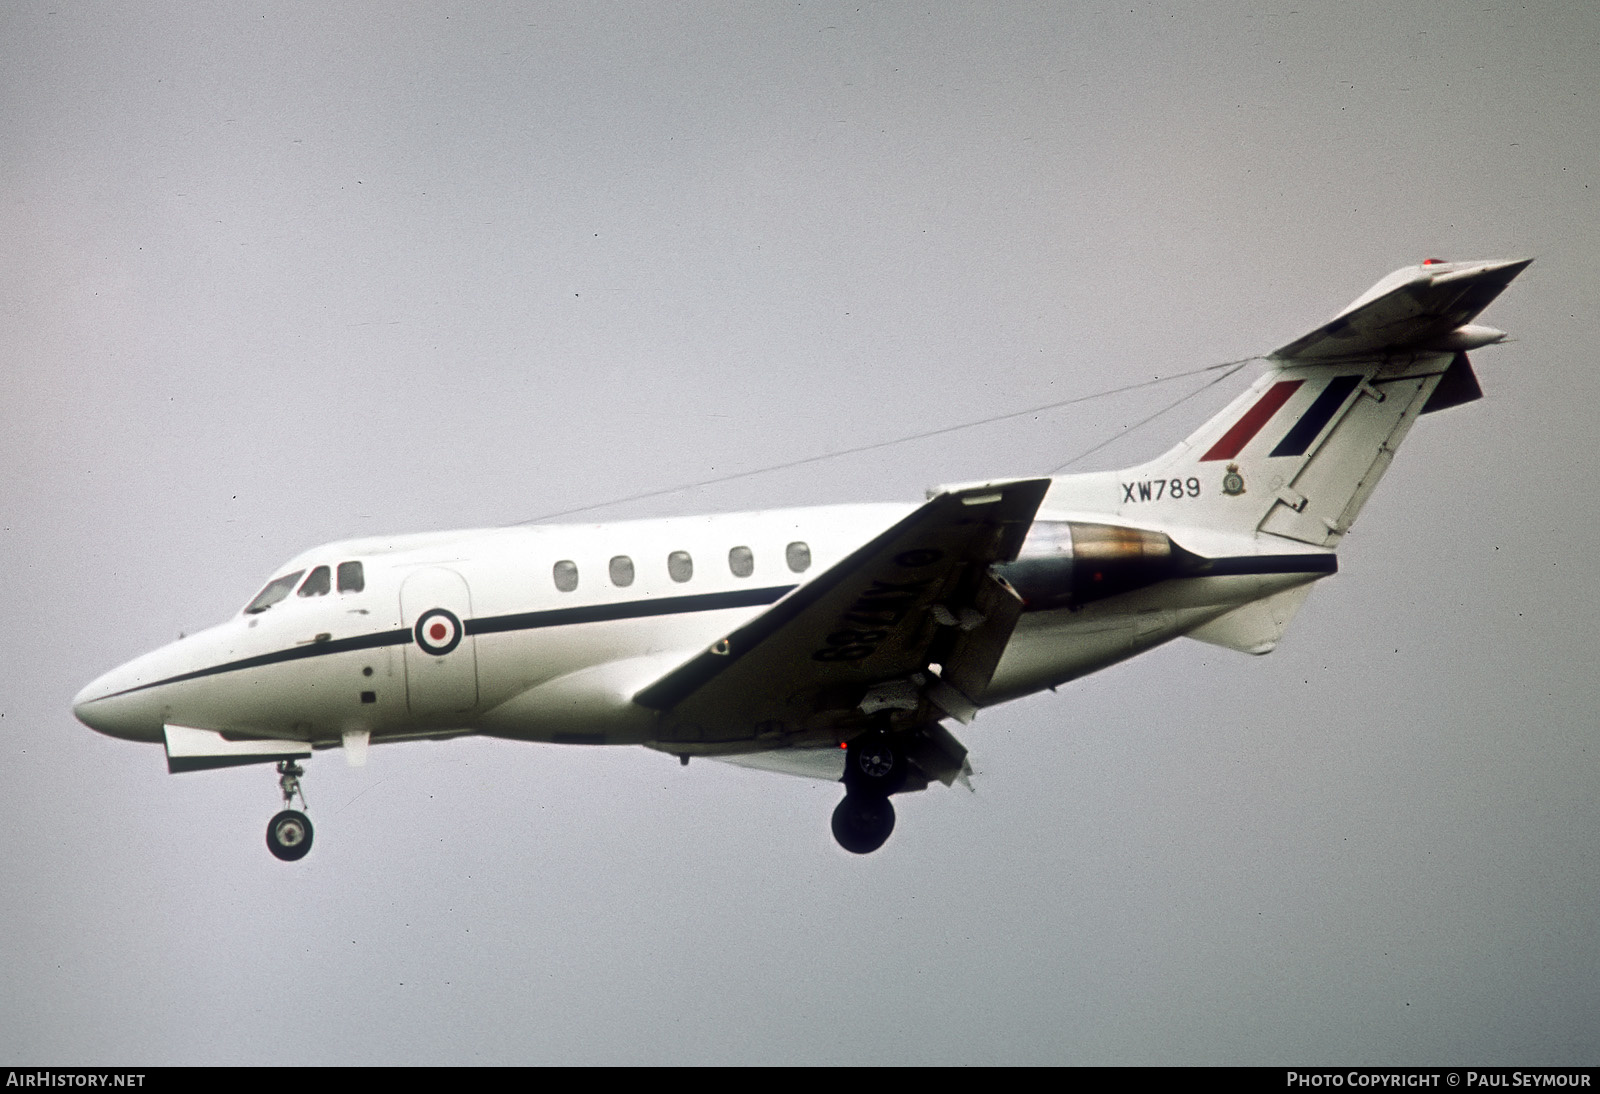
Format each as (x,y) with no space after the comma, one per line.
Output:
(1298,454)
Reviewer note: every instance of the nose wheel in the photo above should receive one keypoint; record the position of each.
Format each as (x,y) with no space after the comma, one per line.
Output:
(289,833)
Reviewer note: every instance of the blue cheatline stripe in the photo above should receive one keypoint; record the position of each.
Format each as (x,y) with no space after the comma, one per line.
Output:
(294,653)
(1310,424)
(522,621)
(1270,564)
(632,609)
(642,609)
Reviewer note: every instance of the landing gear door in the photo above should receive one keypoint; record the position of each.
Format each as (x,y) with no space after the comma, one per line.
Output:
(441,658)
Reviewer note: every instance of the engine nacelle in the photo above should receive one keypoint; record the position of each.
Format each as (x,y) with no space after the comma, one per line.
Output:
(1066,563)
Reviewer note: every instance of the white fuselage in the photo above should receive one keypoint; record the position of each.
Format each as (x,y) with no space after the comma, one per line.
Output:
(560,627)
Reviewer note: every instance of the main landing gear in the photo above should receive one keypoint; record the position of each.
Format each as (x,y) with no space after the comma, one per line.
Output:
(289,833)
(873,769)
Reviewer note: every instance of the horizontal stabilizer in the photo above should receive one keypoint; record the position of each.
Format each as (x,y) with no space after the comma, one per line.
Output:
(1412,308)
(190,749)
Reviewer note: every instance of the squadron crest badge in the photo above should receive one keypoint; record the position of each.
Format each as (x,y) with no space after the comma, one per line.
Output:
(1233,482)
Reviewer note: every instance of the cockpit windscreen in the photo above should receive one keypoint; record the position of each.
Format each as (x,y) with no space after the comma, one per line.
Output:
(275,591)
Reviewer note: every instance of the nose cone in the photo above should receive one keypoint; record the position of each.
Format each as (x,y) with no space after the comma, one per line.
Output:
(114,705)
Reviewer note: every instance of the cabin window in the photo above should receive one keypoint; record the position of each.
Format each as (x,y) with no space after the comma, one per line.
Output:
(622,571)
(565,573)
(317,583)
(276,590)
(741,562)
(351,577)
(798,556)
(680,567)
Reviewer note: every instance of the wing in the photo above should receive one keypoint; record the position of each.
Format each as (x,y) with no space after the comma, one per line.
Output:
(1410,307)
(858,640)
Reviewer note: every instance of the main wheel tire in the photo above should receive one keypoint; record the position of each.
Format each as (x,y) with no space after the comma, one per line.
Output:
(862,822)
(874,765)
(289,835)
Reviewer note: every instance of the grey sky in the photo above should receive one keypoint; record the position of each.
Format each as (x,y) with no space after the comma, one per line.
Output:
(290,274)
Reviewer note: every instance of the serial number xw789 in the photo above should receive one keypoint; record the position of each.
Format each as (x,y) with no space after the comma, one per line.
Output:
(1156,489)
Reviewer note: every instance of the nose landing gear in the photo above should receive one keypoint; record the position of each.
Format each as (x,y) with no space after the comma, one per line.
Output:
(289,833)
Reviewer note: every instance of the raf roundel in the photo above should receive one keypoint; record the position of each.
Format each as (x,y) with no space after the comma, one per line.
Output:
(437,632)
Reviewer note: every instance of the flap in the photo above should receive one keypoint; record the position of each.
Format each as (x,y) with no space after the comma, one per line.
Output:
(933,751)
